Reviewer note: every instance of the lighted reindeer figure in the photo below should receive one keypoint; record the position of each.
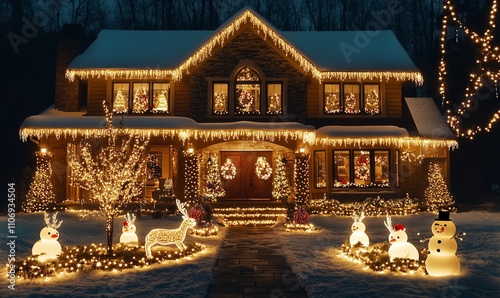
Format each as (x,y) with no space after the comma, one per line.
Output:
(170,236)
(48,247)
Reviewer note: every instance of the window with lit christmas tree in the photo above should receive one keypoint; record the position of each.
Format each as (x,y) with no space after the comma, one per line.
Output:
(41,192)
(281,187)
(213,185)
(437,195)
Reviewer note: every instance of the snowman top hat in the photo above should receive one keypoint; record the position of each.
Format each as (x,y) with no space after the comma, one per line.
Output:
(444,215)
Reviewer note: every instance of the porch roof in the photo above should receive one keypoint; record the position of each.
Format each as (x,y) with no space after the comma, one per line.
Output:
(428,119)
(376,131)
(63,124)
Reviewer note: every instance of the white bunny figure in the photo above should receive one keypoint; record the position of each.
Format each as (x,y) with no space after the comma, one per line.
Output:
(400,247)
(129,236)
(358,230)
(48,247)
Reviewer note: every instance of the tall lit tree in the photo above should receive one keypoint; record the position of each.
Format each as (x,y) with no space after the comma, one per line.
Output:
(213,186)
(437,195)
(112,172)
(281,187)
(40,193)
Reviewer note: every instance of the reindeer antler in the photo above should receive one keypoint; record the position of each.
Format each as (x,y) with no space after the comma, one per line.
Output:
(54,224)
(129,217)
(355,216)
(388,224)
(182,208)
(362,216)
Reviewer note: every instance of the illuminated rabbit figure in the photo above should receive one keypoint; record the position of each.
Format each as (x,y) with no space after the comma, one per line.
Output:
(173,236)
(442,258)
(48,247)
(400,247)
(128,229)
(358,230)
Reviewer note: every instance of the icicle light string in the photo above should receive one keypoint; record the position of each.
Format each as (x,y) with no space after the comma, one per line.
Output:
(489,54)
(219,39)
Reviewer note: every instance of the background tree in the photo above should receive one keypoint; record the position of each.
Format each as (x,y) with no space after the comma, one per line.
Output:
(112,171)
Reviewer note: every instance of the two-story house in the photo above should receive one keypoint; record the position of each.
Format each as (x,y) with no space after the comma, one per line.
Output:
(247,90)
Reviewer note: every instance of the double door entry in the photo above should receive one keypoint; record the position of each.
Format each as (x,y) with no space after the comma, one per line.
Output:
(246,185)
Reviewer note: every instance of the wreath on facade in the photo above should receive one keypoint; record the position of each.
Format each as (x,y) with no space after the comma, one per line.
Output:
(263,169)
(362,171)
(228,170)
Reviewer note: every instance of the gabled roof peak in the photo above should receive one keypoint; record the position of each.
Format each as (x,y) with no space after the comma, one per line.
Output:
(115,55)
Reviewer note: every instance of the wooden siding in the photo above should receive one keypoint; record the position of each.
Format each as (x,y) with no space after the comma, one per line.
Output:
(181,98)
(394,99)
(313,98)
(96,94)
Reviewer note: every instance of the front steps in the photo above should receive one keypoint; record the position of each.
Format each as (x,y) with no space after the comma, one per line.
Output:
(249,213)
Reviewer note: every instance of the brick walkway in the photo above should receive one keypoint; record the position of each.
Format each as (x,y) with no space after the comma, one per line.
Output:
(247,267)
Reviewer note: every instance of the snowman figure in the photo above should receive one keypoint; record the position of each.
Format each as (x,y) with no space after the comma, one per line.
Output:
(358,230)
(442,259)
(400,247)
(129,236)
(48,247)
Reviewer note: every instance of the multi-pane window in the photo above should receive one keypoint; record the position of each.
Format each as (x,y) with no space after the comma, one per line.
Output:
(341,167)
(332,98)
(274,99)
(140,99)
(320,169)
(361,168)
(161,100)
(371,98)
(220,98)
(351,98)
(247,95)
(120,97)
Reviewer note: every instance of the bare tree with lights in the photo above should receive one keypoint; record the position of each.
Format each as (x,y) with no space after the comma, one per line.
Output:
(112,172)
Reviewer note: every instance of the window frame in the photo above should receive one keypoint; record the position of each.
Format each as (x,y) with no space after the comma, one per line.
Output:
(212,99)
(364,99)
(267,83)
(113,97)
(152,98)
(316,170)
(342,94)
(257,111)
(351,183)
(340,109)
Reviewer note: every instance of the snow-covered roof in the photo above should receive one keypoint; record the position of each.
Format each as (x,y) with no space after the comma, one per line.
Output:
(375,131)
(133,49)
(340,50)
(161,54)
(428,119)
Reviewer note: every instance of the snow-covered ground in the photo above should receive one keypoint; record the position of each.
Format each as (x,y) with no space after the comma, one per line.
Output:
(315,257)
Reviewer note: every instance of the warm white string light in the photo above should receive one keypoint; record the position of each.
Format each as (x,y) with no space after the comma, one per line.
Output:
(222,37)
(489,54)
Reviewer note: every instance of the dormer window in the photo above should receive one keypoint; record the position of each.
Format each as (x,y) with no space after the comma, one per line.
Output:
(247,92)
(351,99)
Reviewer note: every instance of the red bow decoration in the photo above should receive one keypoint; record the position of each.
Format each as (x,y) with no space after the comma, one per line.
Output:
(399,227)
(125,223)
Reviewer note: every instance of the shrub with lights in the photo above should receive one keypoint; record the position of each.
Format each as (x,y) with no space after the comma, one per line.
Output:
(281,187)
(213,185)
(94,257)
(300,221)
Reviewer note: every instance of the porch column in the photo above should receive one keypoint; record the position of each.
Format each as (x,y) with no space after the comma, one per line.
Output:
(301,179)
(191,162)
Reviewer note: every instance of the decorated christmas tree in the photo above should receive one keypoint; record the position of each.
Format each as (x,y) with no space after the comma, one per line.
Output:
(281,188)
(40,193)
(437,195)
(213,186)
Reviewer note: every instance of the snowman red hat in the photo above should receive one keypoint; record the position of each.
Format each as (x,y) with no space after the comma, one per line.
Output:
(443,215)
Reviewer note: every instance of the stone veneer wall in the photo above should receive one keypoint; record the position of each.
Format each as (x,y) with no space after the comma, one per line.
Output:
(247,46)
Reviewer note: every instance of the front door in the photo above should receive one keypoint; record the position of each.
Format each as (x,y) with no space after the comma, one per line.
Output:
(246,185)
